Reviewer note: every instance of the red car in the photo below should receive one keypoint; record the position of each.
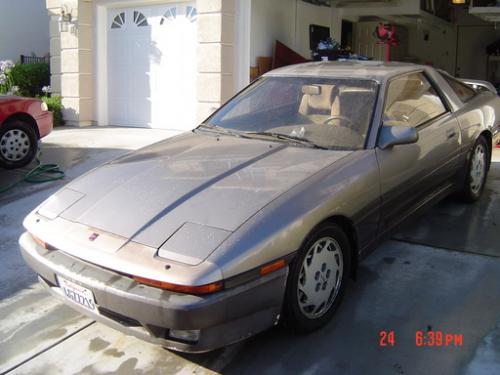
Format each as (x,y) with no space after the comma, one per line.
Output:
(23,122)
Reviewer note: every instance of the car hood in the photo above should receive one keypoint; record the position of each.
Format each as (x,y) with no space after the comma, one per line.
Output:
(188,186)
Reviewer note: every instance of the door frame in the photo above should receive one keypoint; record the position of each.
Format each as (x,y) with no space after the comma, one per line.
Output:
(408,207)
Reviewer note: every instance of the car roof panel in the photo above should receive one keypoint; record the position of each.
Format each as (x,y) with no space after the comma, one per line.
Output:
(376,70)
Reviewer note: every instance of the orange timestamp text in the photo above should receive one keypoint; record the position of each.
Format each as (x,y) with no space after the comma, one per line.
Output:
(425,339)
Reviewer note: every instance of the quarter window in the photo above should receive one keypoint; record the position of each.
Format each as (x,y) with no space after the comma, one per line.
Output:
(463,91)
(411,101)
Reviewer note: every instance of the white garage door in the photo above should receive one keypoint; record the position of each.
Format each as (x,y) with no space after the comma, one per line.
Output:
(151,66)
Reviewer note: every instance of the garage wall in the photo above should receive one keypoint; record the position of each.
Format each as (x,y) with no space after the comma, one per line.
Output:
(271,20)
(474,35)
(308,14)
(471,51)
(288,21)
(439,48)
(365,43)
(382,9)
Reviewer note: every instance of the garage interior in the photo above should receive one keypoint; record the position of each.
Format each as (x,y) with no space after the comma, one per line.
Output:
(449,35)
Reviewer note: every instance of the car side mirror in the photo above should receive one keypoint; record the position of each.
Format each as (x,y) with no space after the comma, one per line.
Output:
(396,135)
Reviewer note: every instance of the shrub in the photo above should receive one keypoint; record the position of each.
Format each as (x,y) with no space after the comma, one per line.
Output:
(30,78)
(5,78)
(55,106)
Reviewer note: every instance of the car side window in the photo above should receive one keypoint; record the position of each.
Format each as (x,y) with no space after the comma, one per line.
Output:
(411,101)
(480,88)
(463,91)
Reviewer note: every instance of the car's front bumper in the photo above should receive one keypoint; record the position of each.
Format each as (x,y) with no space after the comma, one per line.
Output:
(150,313)
(45,123)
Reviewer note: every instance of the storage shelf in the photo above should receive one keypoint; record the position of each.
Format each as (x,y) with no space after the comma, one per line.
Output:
(491,14)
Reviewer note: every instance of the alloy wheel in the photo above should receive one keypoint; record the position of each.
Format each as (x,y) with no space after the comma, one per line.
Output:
(320,277)
(478,169)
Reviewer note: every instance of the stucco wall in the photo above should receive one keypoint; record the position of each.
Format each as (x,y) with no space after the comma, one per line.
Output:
(24,28)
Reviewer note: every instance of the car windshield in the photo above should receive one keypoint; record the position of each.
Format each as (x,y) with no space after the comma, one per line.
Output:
(330,113)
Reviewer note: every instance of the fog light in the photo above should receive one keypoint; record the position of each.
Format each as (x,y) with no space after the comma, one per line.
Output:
(185,334)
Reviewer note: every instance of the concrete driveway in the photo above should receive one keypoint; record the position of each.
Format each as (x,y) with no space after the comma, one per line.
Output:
(441,272)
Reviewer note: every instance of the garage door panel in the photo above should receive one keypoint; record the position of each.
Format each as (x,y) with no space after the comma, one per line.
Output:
(119,86)
(152,68)
(139,84)
(140,114)
(119,107)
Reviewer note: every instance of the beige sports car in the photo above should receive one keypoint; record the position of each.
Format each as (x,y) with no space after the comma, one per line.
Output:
(263,212)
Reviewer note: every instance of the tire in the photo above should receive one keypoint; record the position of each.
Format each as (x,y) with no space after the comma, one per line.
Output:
(18,144)
(477,171)
(305,313)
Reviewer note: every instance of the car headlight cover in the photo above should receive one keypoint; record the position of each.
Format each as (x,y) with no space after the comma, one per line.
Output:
(44,107)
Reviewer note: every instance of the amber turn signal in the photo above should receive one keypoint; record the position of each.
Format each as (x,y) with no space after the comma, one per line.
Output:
(271,267)
(42,243)
(190,289)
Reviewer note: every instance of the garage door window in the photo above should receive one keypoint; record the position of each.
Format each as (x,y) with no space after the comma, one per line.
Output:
(411,101)
(118,21)
(191,13)
(169,15)
(140,19)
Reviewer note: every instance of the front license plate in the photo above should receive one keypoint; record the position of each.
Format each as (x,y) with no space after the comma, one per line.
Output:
(78,294)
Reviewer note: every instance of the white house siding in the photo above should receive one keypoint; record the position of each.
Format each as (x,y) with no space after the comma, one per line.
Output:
(24,29)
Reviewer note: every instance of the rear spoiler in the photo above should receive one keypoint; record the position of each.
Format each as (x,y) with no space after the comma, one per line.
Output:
(479,85)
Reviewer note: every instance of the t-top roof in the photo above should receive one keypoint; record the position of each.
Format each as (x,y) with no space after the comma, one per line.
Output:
(377,70)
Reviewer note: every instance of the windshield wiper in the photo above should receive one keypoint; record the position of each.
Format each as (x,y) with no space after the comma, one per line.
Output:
(285,137)
(221,130)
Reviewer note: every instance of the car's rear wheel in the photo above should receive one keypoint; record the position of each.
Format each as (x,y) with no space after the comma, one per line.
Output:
(317,278)
(18,144)
(477,171)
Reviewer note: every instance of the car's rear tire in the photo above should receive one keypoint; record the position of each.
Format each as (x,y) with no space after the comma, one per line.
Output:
(317,278)
(477,171)
(18,144)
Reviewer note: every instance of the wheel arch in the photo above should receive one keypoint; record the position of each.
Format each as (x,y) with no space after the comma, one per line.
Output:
(489,142)
(349,229)
(24,117)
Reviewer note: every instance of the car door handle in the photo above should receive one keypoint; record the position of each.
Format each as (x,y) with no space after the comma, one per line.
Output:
(451,134)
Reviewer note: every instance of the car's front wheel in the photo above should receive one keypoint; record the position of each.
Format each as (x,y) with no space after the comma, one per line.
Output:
(317,278)
(477,171)
(18,144)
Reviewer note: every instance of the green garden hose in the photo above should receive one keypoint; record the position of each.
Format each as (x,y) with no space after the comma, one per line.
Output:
(41,173)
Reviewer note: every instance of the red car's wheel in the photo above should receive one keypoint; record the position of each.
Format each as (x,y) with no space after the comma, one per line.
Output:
(18,144)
